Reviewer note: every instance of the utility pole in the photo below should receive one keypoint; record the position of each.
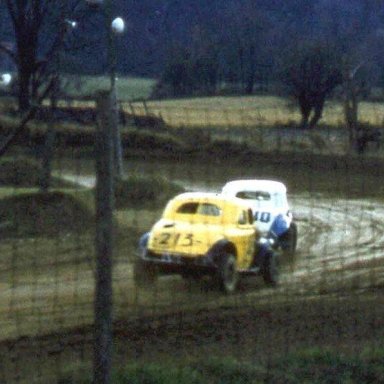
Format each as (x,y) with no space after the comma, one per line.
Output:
(108,166)
(104,241)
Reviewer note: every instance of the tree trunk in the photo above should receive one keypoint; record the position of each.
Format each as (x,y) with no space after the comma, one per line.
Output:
(305,110)
(318,111)
(351,113)
(24,88)
(250,79)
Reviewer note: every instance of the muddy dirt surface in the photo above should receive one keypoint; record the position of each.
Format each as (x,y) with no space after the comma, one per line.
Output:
(340,239)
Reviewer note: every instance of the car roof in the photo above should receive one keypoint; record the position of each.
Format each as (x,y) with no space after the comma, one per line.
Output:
(255,185)
(210,197)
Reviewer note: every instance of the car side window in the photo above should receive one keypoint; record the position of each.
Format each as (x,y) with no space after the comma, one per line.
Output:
(209,210)
(254,195)
(188,208)
(205,209)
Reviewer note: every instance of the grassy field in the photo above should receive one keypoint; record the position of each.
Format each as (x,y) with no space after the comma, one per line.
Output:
(219,111)
(263,122)
(252,111)
(128,88)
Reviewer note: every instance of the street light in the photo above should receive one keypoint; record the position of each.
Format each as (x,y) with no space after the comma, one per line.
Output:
(115,26)
(118,25)
(5,79)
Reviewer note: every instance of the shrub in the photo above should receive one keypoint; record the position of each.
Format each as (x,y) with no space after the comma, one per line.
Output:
(25,172)
(139,191)
(43,214)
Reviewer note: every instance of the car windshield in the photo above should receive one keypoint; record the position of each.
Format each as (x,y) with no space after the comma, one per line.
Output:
(254,195)
(205,209)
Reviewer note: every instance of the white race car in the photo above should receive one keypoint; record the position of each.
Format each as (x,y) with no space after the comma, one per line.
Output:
(271,212)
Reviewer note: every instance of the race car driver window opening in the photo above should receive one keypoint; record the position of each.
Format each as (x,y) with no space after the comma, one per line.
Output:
(254,195)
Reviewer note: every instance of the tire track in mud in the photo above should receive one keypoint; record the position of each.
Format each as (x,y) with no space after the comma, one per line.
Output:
(343,236)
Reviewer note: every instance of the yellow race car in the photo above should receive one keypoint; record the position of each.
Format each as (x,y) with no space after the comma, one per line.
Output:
(205,234)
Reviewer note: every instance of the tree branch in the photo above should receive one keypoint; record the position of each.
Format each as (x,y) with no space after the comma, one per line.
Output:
(29,115)
(8,51)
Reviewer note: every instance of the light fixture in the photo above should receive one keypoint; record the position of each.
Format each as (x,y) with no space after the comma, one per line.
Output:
(118,25)
(5,79)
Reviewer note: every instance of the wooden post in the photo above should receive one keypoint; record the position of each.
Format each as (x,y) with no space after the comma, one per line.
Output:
(104,239)
(117,145)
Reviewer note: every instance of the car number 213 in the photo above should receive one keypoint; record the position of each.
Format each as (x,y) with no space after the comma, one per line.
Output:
(264,217)
(185,240)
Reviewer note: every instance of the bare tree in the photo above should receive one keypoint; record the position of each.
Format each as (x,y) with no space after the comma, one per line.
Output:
(39,30)
(311,73)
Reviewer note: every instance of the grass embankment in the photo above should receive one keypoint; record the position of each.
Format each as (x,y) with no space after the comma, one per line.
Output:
(313,366)
(321,339)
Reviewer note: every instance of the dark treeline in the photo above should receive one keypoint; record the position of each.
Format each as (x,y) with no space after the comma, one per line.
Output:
(244,42)
(197,45)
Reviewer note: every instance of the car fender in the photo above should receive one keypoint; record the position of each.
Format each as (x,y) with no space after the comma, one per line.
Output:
(279,226)
(143,242)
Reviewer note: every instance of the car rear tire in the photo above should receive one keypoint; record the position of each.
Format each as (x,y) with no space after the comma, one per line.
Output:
(227,274)
(144,273)
(270,270)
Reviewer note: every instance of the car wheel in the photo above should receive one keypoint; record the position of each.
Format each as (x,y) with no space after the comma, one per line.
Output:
(270,270)
(288,241)
(144,273)
(227,274)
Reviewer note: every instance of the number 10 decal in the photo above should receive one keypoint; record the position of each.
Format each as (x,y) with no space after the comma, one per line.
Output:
(264,217)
